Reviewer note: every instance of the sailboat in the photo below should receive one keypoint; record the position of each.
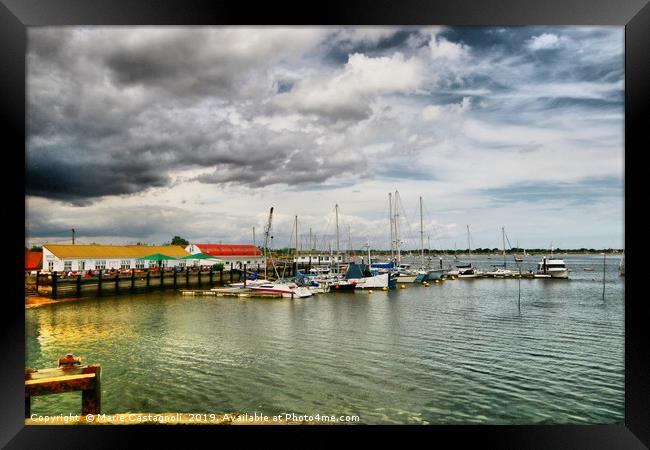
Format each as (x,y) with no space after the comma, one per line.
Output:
(287,288)
(500,270)
(467,270)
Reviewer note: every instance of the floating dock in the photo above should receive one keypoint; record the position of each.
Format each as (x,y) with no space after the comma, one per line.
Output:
(232,292)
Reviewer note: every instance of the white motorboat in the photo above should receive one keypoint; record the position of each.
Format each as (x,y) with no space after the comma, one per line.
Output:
(288,290)
(552,268)
(377,281)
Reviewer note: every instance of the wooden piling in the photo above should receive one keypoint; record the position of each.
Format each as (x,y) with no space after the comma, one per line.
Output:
(132,279)
(175,278)
(199,276)
(54,284)
(78,285)
(210,285)
(187,277)
(148,279)
(117,282)
(99,282)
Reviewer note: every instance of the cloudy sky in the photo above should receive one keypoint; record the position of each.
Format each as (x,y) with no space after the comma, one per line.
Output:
(137,134)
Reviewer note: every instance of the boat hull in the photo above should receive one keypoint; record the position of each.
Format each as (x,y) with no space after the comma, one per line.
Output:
(433,275)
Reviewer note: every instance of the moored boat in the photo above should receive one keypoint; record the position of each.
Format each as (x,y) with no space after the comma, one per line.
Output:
(552,268)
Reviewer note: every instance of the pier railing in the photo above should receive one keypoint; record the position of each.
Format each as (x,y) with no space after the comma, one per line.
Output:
(135,281)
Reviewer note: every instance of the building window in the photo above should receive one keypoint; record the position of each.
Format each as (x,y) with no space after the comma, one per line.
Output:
(125,264)
(181,264)
(100,264)
(50,266)
(67,266)
(139,264)
(82,265)
(153,264)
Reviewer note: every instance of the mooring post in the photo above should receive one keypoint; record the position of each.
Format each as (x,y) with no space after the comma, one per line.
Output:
(231,274)
(210,276)
(38,272)
(162,275)
(295,268)
(187,277)
(148,279)
(244,275)
(99,282)
(199,276)
(174,277)
(221,276)
(132,279)
(54,282)
(91,399)
(79,285)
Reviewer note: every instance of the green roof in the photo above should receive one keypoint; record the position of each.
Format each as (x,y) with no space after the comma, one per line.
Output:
(157,257)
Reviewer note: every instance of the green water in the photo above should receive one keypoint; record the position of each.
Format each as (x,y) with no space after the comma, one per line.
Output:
(458,352)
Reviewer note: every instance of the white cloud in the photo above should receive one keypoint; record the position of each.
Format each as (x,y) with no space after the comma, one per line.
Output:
(544,41)
(442,49)
(450,111)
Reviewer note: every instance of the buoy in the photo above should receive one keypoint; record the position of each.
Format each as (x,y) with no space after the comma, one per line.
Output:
(402,286)
(369,292)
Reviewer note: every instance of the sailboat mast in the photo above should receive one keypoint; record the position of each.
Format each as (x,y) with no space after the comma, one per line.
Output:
(350,242)
(267,232)
(336,208)
(503,236)
(390,219)
(397,241)
(469,245)
(296,226)
(421,236)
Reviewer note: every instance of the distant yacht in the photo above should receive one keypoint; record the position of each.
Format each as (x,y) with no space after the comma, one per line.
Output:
(552,268)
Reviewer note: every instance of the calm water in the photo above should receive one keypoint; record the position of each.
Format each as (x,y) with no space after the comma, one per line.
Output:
(459,352)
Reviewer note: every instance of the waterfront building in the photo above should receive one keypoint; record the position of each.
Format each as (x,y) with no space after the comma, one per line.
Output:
(33,260)
(65,257)
(236,254)
(315,260)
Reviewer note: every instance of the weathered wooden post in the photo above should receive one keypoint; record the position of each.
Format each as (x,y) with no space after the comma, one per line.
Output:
(231,274)
(199,276)
(54,283)
(117,282)
(79,285)
(244,275)
(148,279)
(295,268)
(221,275)
(38,272)
(162,276)
(187,277)
(211,274)
(175,274)
(99,282)
(132,279)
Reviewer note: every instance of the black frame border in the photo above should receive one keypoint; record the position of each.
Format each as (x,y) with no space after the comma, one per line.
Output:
(16,15)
